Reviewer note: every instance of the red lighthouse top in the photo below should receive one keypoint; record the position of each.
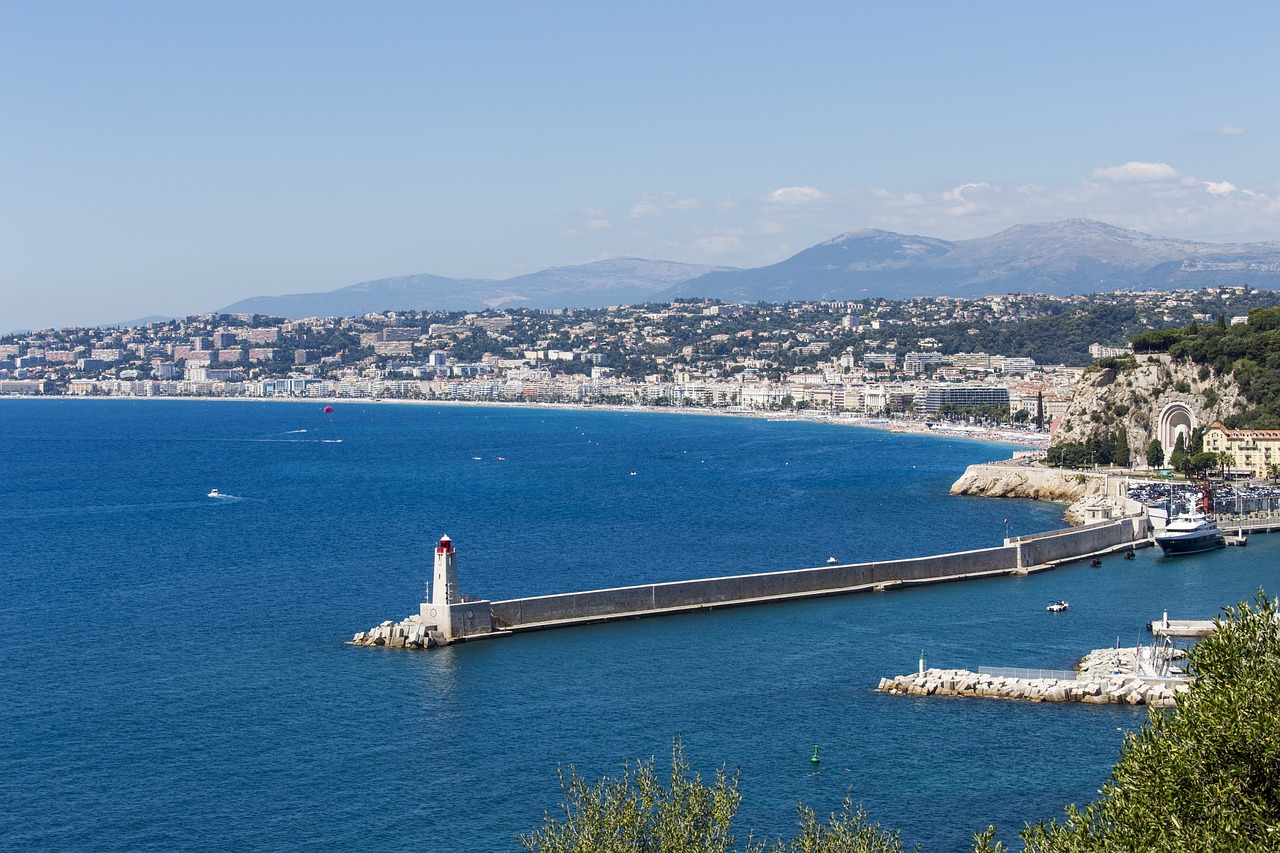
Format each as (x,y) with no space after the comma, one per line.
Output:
(445,546)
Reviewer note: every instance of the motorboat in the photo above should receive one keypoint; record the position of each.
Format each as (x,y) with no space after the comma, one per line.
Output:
(1190,533)
(213,493)
(1057,607)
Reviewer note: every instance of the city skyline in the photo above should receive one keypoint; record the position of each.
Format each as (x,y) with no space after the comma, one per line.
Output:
(170,160)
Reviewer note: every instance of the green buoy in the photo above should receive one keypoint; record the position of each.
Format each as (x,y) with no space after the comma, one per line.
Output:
(814,760)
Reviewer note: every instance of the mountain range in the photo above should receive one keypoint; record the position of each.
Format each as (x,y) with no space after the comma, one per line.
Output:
(1076,256)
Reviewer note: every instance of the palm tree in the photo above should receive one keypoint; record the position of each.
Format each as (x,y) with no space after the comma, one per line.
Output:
(1273,471)
(1226,460)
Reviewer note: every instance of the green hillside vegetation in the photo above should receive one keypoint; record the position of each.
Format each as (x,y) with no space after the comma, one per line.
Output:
(1060,338)
(1248,353)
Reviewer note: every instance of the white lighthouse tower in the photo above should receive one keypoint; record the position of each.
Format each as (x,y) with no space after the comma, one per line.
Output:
(447,611)
(444,587)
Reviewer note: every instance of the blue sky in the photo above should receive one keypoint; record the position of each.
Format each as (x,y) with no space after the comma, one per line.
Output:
(171,158)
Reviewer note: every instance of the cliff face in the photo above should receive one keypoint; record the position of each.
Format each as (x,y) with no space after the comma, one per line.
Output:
(1014,480)
(1134,398)
(1026,481)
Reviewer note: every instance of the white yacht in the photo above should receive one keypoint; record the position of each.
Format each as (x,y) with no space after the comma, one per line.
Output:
(1190,533)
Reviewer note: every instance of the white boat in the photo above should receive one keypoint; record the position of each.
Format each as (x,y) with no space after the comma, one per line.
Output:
(1057,607)
(213,493)
(1190,533)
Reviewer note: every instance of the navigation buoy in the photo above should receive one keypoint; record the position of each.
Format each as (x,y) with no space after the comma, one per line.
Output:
(814,760)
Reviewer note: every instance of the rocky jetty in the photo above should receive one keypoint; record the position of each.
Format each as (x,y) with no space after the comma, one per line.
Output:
(1105,677)
(412,633)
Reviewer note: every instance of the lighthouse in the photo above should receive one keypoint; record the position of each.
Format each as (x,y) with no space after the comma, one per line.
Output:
(444,587)
(448,612)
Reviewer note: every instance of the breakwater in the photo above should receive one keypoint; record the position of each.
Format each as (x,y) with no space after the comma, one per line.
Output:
(1118,690)
(1136,676)
(454,618)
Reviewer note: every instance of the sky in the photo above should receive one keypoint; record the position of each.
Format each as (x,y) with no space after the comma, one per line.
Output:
(161,158)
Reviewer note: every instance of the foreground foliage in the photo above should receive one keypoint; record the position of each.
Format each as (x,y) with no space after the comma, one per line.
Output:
(1205,777)
(635,812)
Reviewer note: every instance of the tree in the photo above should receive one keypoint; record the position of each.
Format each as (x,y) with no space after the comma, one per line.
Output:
(636,813)
(1273,471)
(1155,453)
(1122,455)
(1179,452)
(1205,776)
(1225,461)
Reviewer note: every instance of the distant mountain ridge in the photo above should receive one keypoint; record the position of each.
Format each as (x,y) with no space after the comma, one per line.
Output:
(1065,258)
(619,281)
(1070,257)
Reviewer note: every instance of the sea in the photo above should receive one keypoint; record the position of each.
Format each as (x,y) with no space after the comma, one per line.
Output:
(175,672)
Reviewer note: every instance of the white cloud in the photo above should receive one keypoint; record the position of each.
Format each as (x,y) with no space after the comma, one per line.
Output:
(795,195)
(1136,172)
(768,226)
(719,244)
(656,205)
(598,224)
(1219,187)
(1231,130)
(645,207)
(957,193)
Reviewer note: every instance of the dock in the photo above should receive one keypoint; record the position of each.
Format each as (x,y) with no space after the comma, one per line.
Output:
(1182,628)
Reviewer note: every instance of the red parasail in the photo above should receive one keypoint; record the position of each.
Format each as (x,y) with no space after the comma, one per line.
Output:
(328,410)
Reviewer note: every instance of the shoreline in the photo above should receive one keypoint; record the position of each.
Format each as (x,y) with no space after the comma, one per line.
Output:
(899,426)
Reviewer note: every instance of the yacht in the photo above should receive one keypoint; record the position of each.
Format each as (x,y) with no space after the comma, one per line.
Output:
(1190,533)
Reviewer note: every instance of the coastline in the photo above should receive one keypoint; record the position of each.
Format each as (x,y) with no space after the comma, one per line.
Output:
(901,426)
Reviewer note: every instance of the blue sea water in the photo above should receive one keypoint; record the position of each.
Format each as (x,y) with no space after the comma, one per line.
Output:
(174,673)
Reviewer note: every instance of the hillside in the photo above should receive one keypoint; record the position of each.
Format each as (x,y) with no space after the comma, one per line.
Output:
(1217,371)
(1128,395)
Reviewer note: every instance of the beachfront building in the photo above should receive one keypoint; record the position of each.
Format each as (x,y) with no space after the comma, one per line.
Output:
(1251,449)
(967,396)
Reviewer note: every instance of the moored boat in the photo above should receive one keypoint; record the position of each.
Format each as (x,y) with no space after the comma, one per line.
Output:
(1190,533)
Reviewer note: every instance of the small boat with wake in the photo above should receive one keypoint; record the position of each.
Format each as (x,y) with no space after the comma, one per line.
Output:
(1057,607)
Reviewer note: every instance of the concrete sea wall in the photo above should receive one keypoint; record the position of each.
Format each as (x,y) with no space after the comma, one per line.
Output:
(708,593)
(1061,545)
(1022,554)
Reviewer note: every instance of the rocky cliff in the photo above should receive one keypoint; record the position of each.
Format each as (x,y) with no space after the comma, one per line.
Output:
(1133,397)
(1080,489)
